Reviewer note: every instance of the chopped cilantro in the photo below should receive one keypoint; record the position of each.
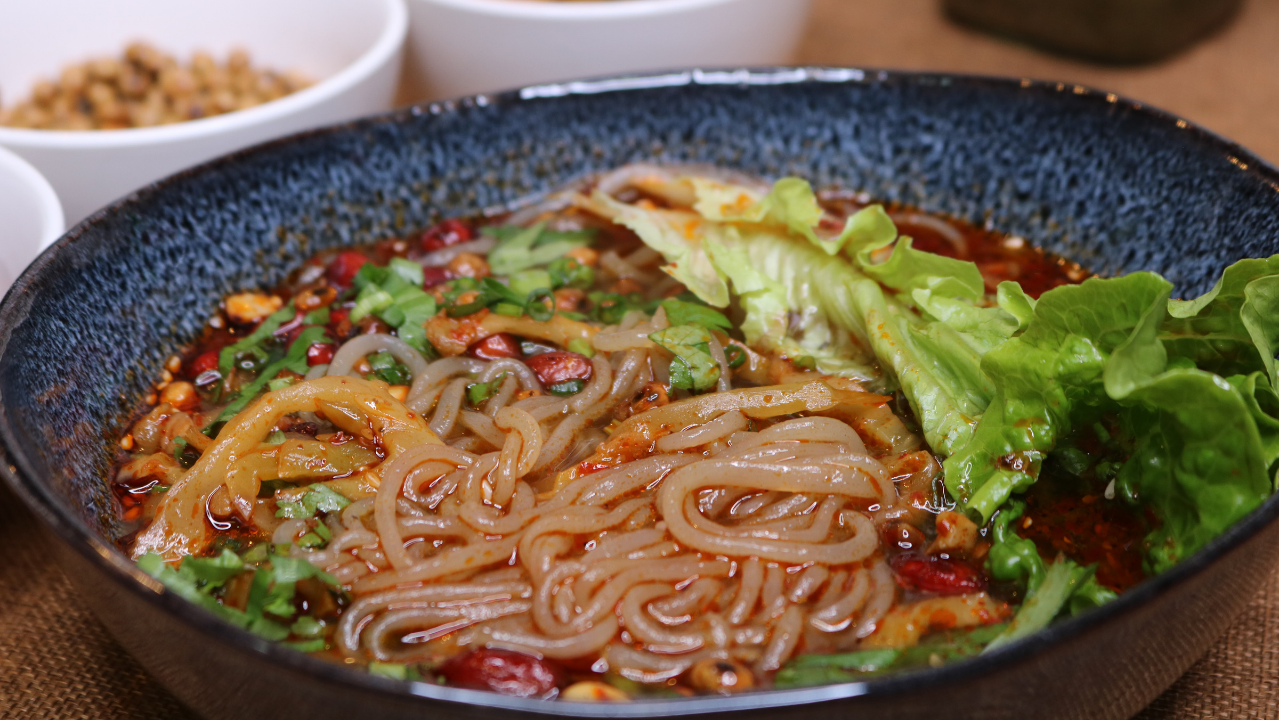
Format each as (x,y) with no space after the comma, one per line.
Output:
(317,498)
(389,370)
(212,571)
(252,343)
(479,392)
(692,367)
(680,312)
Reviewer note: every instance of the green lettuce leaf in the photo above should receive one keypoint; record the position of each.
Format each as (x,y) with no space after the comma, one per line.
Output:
(1042,377)
(1232,328)
(996,386)
(679,236)
(1201,445)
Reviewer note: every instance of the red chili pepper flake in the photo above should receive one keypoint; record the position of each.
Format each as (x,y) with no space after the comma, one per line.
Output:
(320,354)
(914,571)
(442,235)
(433,275)
(203,363)
(503,671)
(553,368)
(586,467)
(343,268)
(498,345)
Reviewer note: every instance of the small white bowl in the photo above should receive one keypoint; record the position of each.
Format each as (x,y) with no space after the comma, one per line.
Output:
(463,47)
(352,48)
(30,216)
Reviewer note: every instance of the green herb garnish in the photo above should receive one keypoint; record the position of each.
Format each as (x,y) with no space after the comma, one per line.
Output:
(479,392)
(680,312)
(567,272)
(567,388)
(522,248)
(389,370)
(317,498)
(692,368)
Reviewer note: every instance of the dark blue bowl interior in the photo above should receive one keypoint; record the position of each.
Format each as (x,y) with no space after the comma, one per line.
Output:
(1087,175)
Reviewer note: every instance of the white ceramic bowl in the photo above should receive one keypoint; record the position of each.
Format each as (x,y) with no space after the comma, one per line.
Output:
(351,47)
(30,216)
(461,47)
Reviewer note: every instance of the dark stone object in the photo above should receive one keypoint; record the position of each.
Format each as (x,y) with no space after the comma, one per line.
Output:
(1121,32)
(1094,177)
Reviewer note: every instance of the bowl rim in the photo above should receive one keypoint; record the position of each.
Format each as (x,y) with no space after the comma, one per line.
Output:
(390,39)
(569,11)
(18,472)
(53,220)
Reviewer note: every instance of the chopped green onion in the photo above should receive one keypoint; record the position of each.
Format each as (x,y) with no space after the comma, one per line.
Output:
(323,531)
(389,370)
(280,383)
(310,540)
(407,270)
(306,646)
(1044,602)
(692,368)
(567,388)
(395,671)
(860,661)
(537,306)
(508,309)
(734,356)
(275,438)
(567,272)
(255,554)
(522,248)
(392,315)
(526,281)
(307,626)
(372,299)
(609,308)
(369,274)
(465,309)
(295,360)
(479,392)
(582,347)
(251,342)
(212,571)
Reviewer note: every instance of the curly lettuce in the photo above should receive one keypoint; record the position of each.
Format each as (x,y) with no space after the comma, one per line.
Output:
(997,382)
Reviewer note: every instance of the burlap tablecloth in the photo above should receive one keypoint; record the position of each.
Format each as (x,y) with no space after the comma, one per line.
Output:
(57,661)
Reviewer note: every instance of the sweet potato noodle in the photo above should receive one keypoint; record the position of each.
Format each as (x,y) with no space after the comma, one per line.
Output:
(668,433)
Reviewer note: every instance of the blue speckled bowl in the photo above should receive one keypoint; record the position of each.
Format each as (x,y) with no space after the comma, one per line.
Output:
(1097,178)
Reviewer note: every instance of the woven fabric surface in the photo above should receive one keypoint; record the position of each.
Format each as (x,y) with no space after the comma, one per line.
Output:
(57,661)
